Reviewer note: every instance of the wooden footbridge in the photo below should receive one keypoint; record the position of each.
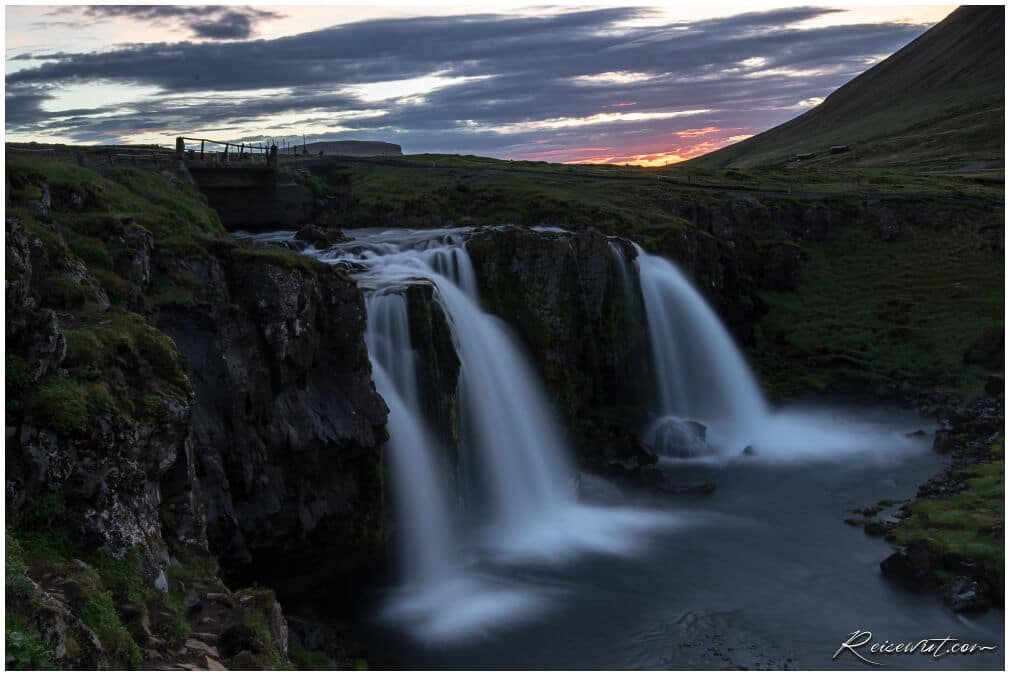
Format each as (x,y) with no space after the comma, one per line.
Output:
(201,153)
(242,183)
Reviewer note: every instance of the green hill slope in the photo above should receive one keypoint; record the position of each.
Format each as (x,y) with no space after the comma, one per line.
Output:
(935,104)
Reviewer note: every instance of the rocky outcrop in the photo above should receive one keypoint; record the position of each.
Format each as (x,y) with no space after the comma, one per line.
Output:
(437,363)
(75,438)
(287,426)
(566,295)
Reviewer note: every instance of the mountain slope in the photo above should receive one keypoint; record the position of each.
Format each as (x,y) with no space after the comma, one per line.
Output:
(938,102)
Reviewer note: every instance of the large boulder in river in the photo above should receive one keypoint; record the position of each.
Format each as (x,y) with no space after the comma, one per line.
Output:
(910,565)
(320,238)
(677,438)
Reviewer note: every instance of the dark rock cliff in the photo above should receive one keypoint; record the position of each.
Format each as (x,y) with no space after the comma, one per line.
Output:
(287,426)
(174,398)
(567,297)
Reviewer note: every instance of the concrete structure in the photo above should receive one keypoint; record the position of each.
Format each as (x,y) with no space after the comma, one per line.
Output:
(243,186)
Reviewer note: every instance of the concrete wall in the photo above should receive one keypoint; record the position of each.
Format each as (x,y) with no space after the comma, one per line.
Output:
(253,199)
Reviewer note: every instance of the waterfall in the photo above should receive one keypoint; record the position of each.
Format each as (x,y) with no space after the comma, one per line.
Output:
(522,473)
(506,416)
(625,280)
(423,511)
(701,376)
(509,432)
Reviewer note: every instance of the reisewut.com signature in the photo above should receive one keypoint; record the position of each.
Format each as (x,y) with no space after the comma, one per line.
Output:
(860,643)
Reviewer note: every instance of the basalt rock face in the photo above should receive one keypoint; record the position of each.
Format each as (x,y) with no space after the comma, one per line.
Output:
(565,294)
(727,275)
(174,398)
(76,439)
(437,364)
(287,426)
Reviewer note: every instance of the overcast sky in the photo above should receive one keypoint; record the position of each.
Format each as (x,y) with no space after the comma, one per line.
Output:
(639,84)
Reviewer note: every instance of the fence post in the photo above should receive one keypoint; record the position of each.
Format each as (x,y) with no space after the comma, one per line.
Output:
(201,149)
(180,147)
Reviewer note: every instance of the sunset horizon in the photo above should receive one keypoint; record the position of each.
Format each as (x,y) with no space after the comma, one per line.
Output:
(647,86)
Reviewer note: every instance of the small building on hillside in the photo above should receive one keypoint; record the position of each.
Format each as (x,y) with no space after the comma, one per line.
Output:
(837,150)
(804,156)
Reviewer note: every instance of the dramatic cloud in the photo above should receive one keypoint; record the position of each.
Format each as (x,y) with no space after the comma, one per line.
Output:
(596,85)
(214,22)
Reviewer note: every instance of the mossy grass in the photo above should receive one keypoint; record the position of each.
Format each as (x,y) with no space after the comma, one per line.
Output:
(110,359)
(24,647)
(147,197)
(880,313)
(968,524)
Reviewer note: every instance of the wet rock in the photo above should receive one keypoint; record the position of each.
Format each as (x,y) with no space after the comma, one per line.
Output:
(963,594)
(676,438)
(877,527)
(910,565)
(944,441)
(320,238)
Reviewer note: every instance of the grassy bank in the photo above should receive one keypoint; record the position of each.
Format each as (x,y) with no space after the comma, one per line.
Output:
(880,313)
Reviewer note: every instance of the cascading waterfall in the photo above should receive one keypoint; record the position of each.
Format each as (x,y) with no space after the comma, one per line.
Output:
(703,381)
(456,570)
(509,435)
(625,279)
(506,417)
(429,548)
(700,374)
(505,414)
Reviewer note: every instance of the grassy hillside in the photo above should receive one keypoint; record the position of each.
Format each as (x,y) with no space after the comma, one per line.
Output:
(936,104)
(925,307)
